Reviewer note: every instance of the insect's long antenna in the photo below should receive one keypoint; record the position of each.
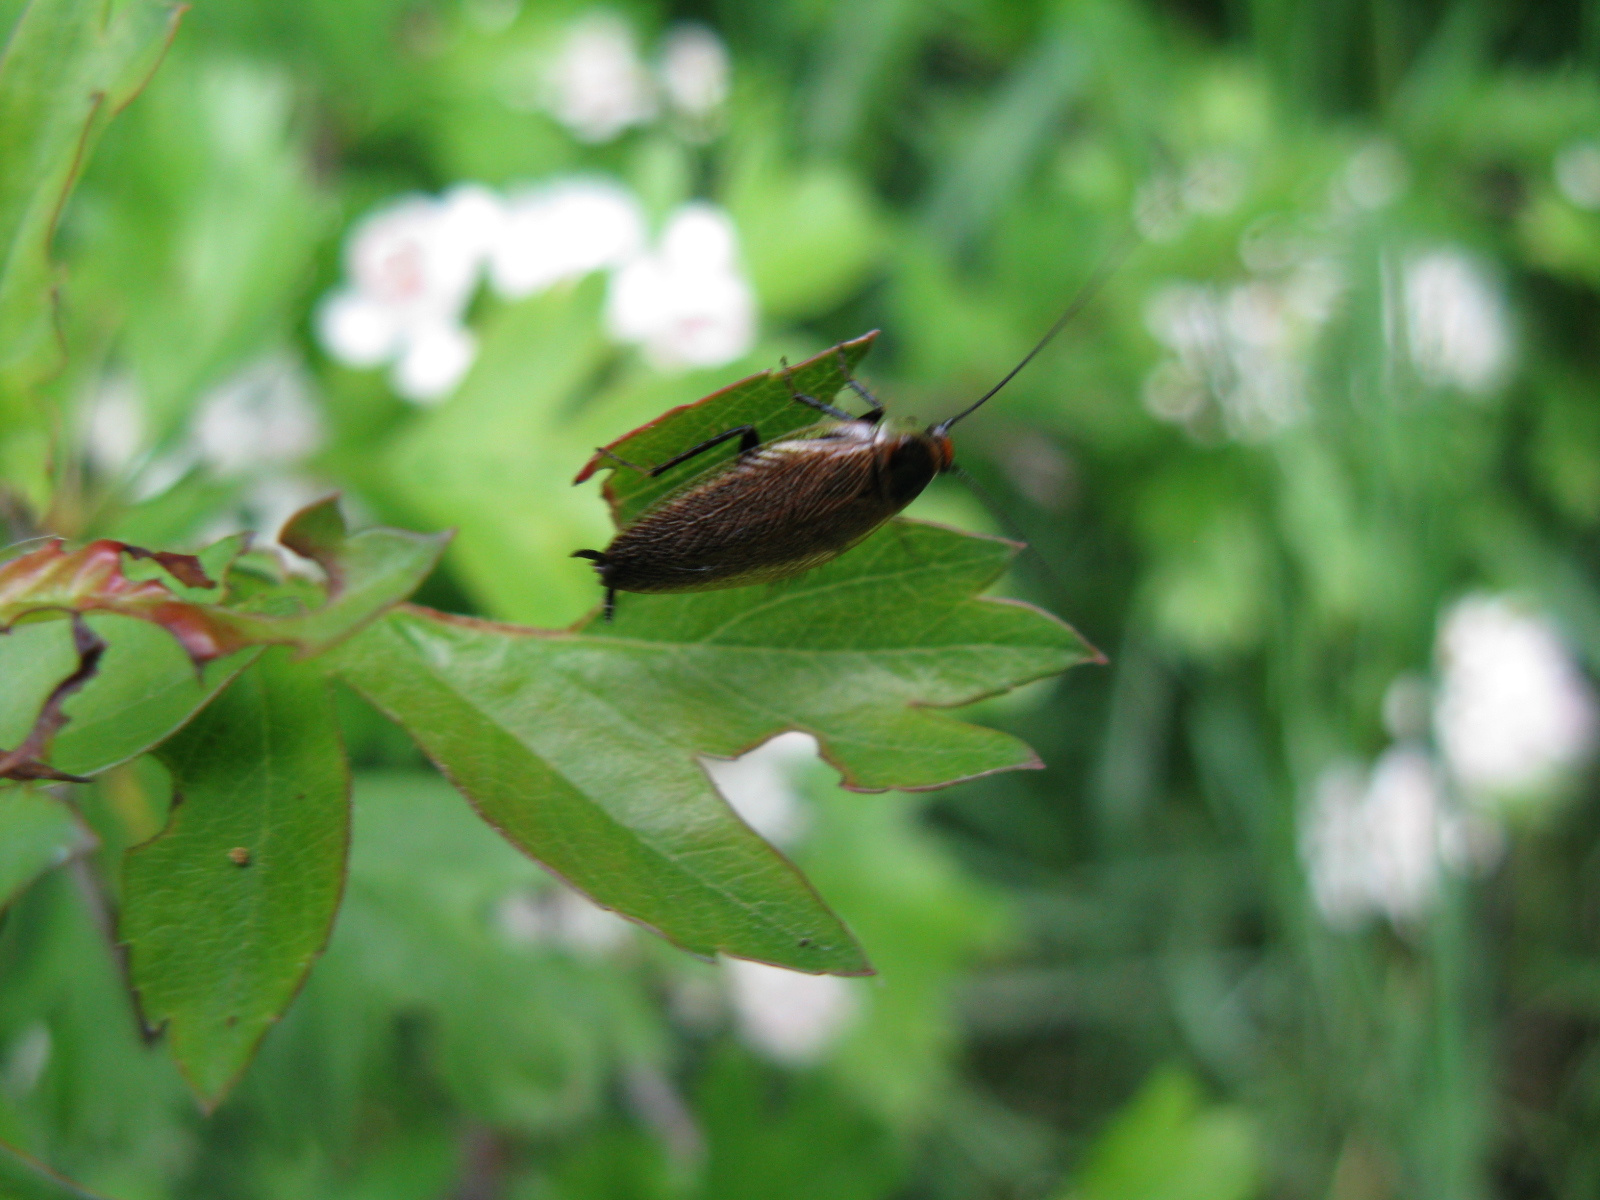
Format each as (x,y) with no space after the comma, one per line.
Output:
(1104,271)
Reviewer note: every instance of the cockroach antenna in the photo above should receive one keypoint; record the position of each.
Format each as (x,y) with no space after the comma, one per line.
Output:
(1108,267)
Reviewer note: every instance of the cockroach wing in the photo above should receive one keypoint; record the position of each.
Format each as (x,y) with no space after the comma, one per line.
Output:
(762,400)
(789,506)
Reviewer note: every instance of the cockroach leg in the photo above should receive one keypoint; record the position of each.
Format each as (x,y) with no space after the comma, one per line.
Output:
(749,439)
(598,558)
(855,386)
(812,401)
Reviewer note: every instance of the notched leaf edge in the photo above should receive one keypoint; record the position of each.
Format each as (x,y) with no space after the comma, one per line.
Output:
(26,761)
(53,579)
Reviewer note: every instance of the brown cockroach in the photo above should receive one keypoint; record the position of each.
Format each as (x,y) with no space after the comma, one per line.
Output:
(786,505)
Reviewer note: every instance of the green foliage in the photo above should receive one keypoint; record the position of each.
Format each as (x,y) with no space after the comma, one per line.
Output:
(68,66)
(571,744)
(224,912)
(1168,1142)
(1252,471)
(37,832)
(189,658)
(24,1179)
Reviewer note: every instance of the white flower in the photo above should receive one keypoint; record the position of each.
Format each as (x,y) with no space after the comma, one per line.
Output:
(687,304)
(435,359)
(1513,714)
(790,1017)
(113,420)
(597,86)
(1577,170)
(261,416)
(1374,177)
(561,917)
(694,71)
(562,231)
(760,785)
(1372,845)
(1456,323)
(1243,347)
(411,269)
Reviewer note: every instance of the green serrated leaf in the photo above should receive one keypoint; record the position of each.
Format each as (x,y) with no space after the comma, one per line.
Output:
(581,747)
(600,802)
(145,688)
(37,832)
(367,572)
(68,67)
(25,1178)
(763,400)
(225,910)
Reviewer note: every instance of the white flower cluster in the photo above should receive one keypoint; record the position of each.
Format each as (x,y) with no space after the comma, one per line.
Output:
(598,86)
(1237,355)
(1457,331)
(1514,714)
(789,1017)
(1372,841)
(413,267)
(762,786)
(1512,719)
(560,916)
(257,426)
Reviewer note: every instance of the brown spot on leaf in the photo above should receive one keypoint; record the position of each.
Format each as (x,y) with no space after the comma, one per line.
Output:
(240,856)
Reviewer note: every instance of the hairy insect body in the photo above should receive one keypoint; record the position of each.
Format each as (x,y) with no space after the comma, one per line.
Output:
(776,509)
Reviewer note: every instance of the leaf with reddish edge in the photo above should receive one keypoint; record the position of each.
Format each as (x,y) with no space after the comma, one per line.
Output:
(53,581)
(146,689)
(225,910)
(765,400)
(367,573)
(582,746)
(26,761)
(185,568)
